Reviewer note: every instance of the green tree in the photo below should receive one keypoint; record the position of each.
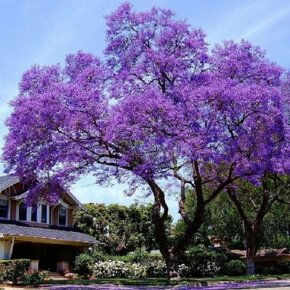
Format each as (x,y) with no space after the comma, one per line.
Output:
(122,229)
(275,232)
(253,203)
(247,217)
(224,222)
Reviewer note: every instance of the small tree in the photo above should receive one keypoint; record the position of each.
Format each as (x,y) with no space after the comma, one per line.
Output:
(253,203)
(161,110)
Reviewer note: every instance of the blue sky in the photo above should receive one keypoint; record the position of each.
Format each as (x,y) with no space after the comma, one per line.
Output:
(44,31)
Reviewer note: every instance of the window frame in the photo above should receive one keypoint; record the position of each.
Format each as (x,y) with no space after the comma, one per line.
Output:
(18,212)
(4,197)
(46,213)
(34,211)
(66,216)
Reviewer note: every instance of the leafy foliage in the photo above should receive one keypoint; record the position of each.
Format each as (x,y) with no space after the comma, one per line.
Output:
(205,263)
(13,270)
(221,213)
(35,278)
(151,268)
(235,268)
(275,232)
(122,229)
(83,265)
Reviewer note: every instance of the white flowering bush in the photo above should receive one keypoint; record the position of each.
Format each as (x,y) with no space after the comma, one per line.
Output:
(156,268)
(138,270)
(111,269)
(184,270)
(120,269)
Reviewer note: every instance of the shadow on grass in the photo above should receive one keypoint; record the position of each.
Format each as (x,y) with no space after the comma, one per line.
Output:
(166,282)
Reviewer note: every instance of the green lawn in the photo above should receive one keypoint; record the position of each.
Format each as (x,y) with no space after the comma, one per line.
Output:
(164,281)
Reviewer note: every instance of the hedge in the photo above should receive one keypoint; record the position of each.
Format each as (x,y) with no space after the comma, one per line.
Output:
(13,270)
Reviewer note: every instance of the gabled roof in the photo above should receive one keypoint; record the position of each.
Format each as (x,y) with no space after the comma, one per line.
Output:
(8,229)
(7,181)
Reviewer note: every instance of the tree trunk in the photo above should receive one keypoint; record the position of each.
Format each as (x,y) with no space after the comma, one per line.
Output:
(251,252)
(172,264)
(250,266)
(253,227)
(171,253)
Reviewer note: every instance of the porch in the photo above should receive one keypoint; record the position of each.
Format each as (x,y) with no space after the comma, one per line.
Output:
(50,248)
(54,258)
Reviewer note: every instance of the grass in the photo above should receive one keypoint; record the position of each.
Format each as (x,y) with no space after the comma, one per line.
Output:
(165,282)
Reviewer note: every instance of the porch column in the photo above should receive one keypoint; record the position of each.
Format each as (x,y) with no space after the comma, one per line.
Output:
(4,249)
(11,247)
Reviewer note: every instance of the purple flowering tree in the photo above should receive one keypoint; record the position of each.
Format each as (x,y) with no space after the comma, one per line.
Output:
(159,110)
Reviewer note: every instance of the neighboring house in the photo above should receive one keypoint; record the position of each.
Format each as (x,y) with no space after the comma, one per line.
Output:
(266,257)
(42,232)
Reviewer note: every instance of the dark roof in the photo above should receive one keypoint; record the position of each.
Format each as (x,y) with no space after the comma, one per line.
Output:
(264,253)
(7,181)
(65,234)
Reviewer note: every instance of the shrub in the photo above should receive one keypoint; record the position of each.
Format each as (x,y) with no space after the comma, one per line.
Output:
(265,270)
(280,268)
(156,268)
(204,263)
(283,268)
(13,270)
(137,270)
(99,256)
(35,278)
(133,257)
(184,270)
(121,269)
(139,257)
(124,258)
(110,269)
(83,265)
(235,268)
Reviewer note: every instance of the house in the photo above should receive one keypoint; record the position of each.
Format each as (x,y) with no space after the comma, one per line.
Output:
(266,257)
(43,233)
(263,257)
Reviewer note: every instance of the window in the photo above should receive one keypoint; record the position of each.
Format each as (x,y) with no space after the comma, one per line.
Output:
(50,214)
(62,216)
(43,213)
(34,213)
(4,208)
(22,212)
